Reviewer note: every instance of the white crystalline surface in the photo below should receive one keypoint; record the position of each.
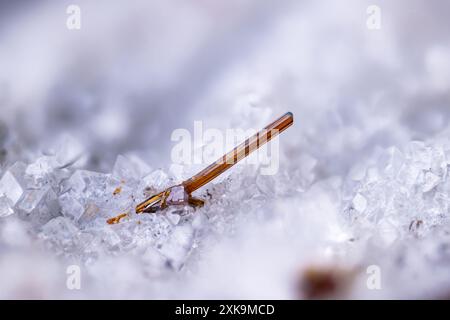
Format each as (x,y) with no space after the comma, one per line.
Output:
(361,186)
(394,216)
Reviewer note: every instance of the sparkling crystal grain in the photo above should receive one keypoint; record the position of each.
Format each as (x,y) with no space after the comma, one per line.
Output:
(10,188)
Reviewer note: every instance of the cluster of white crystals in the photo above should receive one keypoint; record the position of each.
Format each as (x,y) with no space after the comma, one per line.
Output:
(397,212)
(393,211)
(65,208)
(404,192)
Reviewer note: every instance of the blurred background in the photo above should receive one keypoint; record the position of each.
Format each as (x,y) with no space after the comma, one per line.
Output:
(137,70)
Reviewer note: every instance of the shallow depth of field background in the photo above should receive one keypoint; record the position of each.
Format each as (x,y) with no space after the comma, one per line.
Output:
(138,70)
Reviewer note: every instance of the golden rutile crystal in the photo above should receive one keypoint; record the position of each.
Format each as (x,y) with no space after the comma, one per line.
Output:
(181,194)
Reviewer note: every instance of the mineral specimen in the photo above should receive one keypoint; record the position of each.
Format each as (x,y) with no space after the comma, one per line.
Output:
(181,194)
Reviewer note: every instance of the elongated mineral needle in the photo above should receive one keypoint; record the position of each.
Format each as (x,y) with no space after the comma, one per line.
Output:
(181,194)
(238,153)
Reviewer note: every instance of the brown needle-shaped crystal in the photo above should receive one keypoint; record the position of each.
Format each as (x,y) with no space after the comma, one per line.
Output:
(181,194)
(238,153)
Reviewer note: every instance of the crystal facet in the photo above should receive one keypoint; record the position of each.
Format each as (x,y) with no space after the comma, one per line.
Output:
(10,187)
(5,207)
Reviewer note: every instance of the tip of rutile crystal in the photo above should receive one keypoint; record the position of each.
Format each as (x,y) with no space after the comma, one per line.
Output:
(116,220)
